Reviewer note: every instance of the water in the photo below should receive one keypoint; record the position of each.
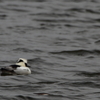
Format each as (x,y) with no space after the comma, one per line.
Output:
(60,39)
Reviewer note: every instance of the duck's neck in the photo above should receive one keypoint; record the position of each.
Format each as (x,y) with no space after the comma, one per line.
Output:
(21,64)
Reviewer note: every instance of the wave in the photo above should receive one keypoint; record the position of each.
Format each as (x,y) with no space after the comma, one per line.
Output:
(85,84)
(80,52)
(88,74)
(23,50)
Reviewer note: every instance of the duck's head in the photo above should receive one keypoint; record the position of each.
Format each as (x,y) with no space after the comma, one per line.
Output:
(22,62)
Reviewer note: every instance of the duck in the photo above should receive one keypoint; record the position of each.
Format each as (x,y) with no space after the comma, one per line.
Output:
(19,68)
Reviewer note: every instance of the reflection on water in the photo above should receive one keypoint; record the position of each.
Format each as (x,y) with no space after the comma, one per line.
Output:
(60,39)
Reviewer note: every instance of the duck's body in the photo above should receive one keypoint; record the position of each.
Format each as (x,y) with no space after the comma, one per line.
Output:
(20,68)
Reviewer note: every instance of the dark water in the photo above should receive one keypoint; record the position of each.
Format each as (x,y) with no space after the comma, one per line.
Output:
(60,39)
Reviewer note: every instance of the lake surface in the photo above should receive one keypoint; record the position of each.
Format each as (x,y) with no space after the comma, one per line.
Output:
(60,39)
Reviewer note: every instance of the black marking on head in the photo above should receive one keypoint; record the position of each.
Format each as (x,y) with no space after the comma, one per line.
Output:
(20,61)
(27,65)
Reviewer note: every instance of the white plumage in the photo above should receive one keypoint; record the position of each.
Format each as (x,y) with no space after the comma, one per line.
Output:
(22,70)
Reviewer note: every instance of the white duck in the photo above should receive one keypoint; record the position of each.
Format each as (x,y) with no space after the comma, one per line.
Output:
(20,68)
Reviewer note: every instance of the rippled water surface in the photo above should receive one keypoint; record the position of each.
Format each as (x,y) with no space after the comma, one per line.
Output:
(60,39)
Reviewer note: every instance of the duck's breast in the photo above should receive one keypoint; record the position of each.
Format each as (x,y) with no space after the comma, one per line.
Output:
(22,70)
